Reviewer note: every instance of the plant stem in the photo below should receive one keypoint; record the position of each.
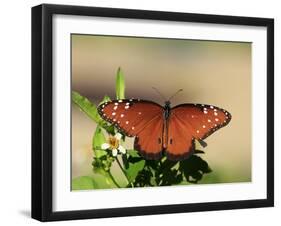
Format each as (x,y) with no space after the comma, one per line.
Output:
(124,172)
(112,178)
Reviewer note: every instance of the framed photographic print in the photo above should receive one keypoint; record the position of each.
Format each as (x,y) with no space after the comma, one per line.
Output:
(145,112)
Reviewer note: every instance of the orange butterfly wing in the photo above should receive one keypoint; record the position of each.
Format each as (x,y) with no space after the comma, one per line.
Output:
(149,141)
(188,122)
(139,118)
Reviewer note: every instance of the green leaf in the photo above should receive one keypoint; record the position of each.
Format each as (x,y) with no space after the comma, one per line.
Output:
(133,153)
(98,140)
(170,177)
(144,178)
(120,85)
(125,161)
(83,183)
(86,106)
(96,182)
(101,165)
(134,169)
(109,128)
(105,99)
(103,176)
(193,168)
(168,164)
(104,181)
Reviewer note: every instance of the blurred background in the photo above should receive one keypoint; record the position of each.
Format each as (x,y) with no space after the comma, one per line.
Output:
(210,72)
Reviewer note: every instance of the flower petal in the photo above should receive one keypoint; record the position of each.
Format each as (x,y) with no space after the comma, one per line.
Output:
(118,136)
(114,152)
(105,146)
(122,149)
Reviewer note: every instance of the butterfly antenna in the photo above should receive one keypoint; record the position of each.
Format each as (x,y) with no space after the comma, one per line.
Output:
(160,94)
(175,94)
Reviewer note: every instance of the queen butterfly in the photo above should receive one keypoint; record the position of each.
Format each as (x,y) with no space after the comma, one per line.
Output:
(160,129)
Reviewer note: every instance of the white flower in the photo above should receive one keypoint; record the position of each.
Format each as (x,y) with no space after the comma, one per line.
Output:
(114,145)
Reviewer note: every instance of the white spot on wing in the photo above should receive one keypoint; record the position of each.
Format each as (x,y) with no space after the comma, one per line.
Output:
(115,107)
(215,113)
(204,126)
(113,113)
(197,131)
(122,115)
(127,107)
(139,113)
(127,122)
(216,119)
(209,120)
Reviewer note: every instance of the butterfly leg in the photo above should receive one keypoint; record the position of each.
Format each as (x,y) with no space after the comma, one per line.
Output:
(202,143)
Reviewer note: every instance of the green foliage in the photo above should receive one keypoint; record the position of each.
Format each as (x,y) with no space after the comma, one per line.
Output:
(104,181)
(95,182)
(144,179)
(83,183)
(105,99)
(97,141)
(166,172)
(133,153)
(86,106)
(193,168)
(137,171)
(102,164)
(120,85)
(134,169)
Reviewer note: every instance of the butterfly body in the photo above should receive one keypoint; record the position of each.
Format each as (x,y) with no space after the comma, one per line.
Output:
(167,109)
(164,129)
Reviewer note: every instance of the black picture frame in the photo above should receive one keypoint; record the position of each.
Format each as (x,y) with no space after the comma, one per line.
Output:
(42,107)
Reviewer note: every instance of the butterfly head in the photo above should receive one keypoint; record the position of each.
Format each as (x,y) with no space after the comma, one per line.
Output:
(167,104)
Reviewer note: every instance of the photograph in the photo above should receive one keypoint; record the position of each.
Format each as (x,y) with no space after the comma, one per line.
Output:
(142,112)
(150,112)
